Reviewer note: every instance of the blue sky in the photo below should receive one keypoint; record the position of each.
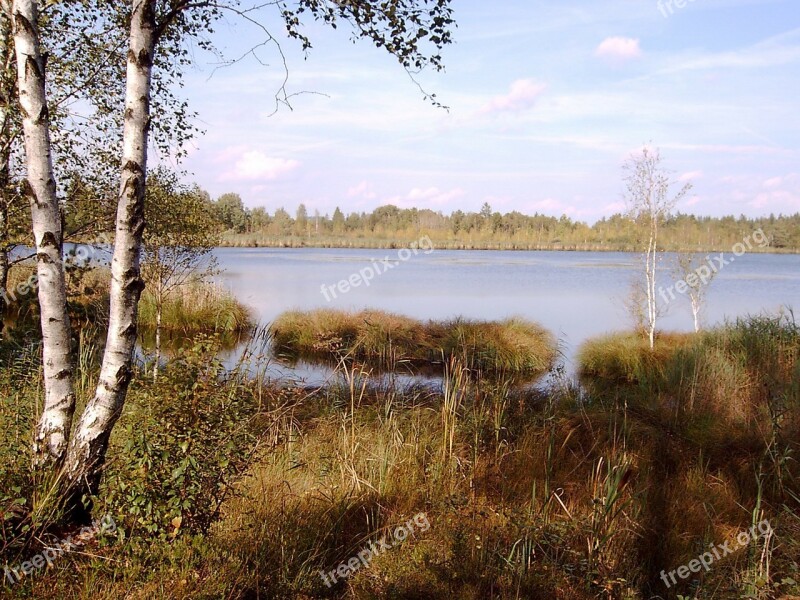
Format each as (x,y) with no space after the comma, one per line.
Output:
(547,100)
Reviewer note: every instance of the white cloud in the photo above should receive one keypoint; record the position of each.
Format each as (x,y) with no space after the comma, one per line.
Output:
(619,49)
(547,205)
(614,207)
(792,179)
(434,195)
(550,206)
(427,198)
(521,96)
(779,194)
(779,201)
(691,176)
(694,200)
(782,49)
(362,190)
(254,165)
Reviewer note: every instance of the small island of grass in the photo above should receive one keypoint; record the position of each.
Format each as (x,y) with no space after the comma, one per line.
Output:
(389,341)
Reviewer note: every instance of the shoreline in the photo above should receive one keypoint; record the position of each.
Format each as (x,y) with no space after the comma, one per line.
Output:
(245,241)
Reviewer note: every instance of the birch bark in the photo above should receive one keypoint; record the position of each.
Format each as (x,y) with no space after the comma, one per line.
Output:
(6,94)
(52,433)
(90,441)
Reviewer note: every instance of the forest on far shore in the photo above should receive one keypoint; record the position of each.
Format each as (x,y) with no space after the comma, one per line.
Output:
(390,226)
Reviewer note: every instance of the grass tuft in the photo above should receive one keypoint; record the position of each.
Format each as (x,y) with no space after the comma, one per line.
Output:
(388,341)
(197,307)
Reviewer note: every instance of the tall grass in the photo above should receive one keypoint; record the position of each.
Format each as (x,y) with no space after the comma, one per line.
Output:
(389,341)
(537,493)
(626,357)
(197,307)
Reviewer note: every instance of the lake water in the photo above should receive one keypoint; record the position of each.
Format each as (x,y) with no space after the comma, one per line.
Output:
(576,295)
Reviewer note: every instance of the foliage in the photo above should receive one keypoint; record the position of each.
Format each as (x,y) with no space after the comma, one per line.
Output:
(180,235)
(392,227)
(176,460)
(231,212)
(546,494)
(401,27)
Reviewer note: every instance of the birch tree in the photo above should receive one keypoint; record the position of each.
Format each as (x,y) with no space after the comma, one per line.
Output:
(693,270)
(650,202)
(40,188)
(90,441)
(178,243)
(158,30)
(7,195)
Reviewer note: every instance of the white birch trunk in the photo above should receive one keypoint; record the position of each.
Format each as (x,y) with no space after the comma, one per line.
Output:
(652,257)
(6,93)
(696,306)
(159,310)
(52,433)
(90,440)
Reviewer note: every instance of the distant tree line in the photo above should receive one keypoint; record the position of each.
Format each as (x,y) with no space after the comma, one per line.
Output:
(387,225)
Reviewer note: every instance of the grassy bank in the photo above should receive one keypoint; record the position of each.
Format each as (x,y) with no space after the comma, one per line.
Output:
(391,342)
(197,307)
(627,358)
(228,487)
(259,240)
(745,375)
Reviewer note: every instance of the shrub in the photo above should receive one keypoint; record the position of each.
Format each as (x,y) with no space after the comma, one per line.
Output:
(180,444)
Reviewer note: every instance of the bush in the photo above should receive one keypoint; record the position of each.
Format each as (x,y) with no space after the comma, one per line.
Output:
(180,445)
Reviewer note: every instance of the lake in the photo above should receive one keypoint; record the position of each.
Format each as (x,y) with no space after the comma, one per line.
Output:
(576,295)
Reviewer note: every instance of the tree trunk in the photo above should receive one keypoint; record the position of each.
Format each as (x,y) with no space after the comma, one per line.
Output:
(6,94)
(52,433)
(696,305)
(89,443)
(649,275)
(3,258)
(158,338)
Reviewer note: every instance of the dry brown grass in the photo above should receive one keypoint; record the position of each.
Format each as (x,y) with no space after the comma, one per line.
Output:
(389,341)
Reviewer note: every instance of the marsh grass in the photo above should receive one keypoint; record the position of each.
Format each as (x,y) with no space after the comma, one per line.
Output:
(87,296)
(538,493)
(197,307)
(393,342)
(626,357)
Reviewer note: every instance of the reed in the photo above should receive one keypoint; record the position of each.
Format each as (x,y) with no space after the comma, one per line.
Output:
(392,342)
(547,492)
(197,307)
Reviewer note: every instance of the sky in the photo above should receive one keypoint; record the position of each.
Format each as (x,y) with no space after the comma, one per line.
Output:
(546,102)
